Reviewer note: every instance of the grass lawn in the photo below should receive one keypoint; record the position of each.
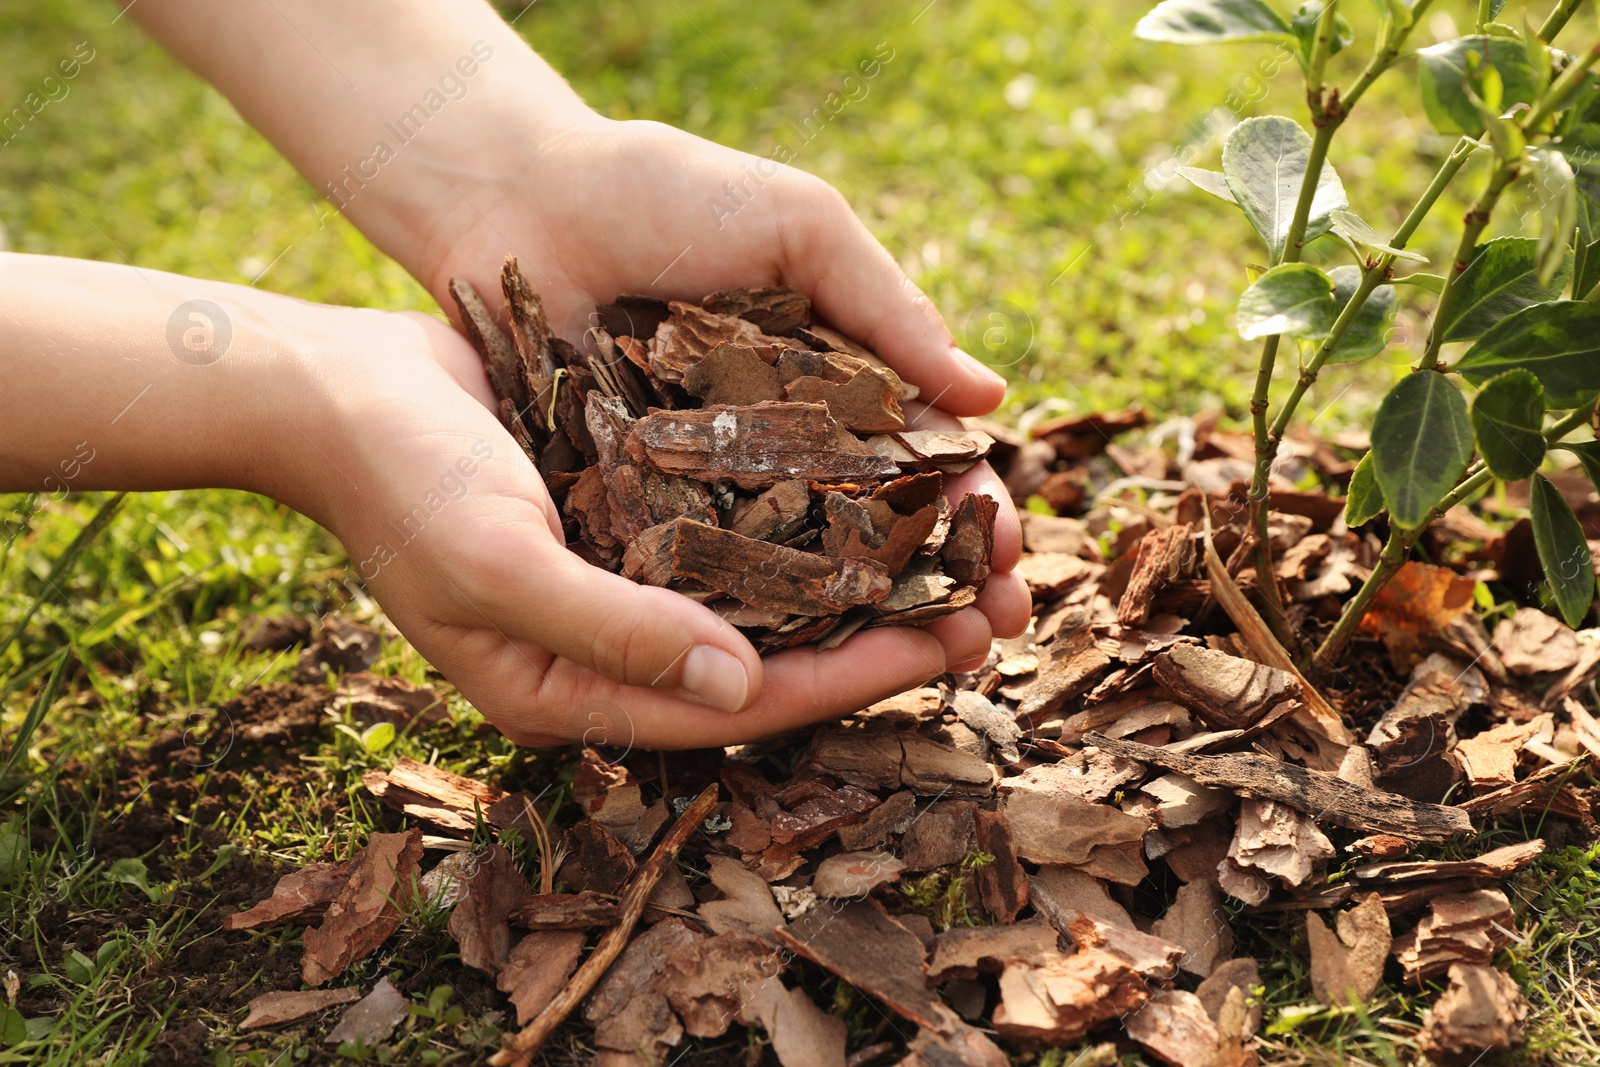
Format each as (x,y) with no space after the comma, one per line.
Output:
(1015,157)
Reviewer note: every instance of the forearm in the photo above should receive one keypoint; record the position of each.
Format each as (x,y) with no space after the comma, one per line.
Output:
(117,379)
(391,112)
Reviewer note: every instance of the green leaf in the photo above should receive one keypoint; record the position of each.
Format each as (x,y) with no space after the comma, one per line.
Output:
(1421,444)
(1354,228)
(1588,453)
(14,853)
(13,1027)
(1212,181)
(1364,501)
(1559,342)
(1452,74)
(1305,28)
(1265,160)
(1212,21)
(1563,551)
(378,736)
(1369,333)
(1501,279)
(1508,418)
(1294,299)
(1433,283)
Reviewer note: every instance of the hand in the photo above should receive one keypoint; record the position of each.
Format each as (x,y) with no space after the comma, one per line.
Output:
(451,528)
(599,208)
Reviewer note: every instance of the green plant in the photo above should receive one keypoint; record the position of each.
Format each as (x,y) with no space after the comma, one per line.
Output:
(1534,113)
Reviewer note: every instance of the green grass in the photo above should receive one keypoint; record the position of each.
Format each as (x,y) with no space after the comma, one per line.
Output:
(1009,155)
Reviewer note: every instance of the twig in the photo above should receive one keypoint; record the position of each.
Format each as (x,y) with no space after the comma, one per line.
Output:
(533,1036)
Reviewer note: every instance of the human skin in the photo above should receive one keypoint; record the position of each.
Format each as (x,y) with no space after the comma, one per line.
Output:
(354,416)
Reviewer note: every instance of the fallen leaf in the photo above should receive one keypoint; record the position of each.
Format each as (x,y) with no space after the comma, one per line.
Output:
(275,1009)
(537,969)
(371,1019)
(480,923)
(747,906)
(1532,642)
(1419,601)
(368,908)
(299,897)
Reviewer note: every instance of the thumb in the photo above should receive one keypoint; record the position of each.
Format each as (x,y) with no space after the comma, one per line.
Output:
(857,286)
(632,634)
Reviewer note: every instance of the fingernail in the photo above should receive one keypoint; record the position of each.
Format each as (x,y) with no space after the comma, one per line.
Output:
(716,677)
(979,369)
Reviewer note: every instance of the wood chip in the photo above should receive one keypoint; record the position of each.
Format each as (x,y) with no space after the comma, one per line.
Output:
(755,446)
(772,577)
(1196,922)
(1175,1029)
(538,968)
(1481,1012)
(565,911)
(855,874)
(1059,1003)
(1489,759)
(898,760)
(1062,894)
(1227,692)
(1459,928)
(1279,840)
(1346,968)
(495,890)
(369,907)
(1058,828)
(1164,553)
(278,1008)
(447,801)
(1002,883)
(774,309)
(1318,793)
(967,951)
(1152,956)
(747,906)
(1532,642)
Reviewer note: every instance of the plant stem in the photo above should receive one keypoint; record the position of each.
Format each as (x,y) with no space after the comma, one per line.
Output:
(1557,19)
(1504,173)
(1401,540)
(1484,16)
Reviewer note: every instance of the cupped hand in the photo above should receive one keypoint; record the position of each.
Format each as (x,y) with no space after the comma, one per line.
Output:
(601,208)
(451,528)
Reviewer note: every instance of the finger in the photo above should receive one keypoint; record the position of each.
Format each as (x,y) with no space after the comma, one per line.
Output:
(1005,601)
(965,636)
(856,285)
(802,686)
(631,634)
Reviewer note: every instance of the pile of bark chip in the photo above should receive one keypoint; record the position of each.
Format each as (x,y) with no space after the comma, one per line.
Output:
(740,453)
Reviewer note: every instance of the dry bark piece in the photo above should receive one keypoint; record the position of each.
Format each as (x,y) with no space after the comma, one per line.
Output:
(705,981)
(1001,728)
(802,1034)
(1062,894)
(868,403)
(1002,883)
(279,1007)
(480,922)
(855,874)
(861,944)
(1532,643)
(691,333)
(772,577)
(538,968)
(1152,956)
(1082,436)
(629,1011)
(371,1019)
(532,1037)
(967,951)
(1074,668)
(1410,885)
(596,860)
(1489,759)
(1228,692)
(633,316)
(897,760)
(435,796)
(774,309)
(1319,793)
(1164,554)
(1050,826)
(944,835)
(775,514)
(1059,1003)
(1050,574)
(747,906)
(1349,966)
(968,551)
(1459,928)
(1181,801)
(1226,980)
(341,646)
(1279,840)
(1175,1029)
(755,446)
(499,355)
(369,907)
(300,896)
(733,374)
(1196,922)
(1482,1011)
